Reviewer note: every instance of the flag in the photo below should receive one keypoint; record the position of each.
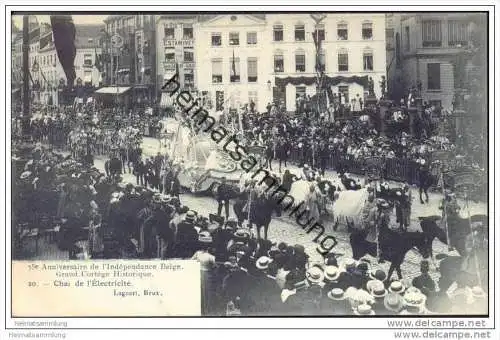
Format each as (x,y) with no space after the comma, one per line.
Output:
(234,65)
(64,32)
(97,63)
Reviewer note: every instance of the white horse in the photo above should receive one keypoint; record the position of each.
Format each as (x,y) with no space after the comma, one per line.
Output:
(346,208)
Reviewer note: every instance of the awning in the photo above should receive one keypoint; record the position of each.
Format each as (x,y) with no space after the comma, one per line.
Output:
(112,90)
(15,90)
(166,100)
(124,70)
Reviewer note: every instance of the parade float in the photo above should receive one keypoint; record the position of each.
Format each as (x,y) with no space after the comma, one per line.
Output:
(202,164)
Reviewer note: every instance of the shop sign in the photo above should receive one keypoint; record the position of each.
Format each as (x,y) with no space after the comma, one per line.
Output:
(174,43)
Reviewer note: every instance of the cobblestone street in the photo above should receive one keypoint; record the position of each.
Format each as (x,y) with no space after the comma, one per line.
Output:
(285,229)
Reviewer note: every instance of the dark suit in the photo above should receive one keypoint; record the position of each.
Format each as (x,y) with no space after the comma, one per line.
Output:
(223,195)
(264,295)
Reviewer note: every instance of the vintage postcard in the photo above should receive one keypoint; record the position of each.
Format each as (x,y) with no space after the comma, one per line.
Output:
(263,163)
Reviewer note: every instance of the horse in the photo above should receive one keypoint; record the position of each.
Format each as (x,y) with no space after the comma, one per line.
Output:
(393,248)
(451,266)
(261,212)
(458,229)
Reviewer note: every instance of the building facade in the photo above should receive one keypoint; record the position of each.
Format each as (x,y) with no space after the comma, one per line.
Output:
(88,52)
(175,42)
(352,50)
(131,62)
(233,54)
(275,57)
(48,71)
(427,45)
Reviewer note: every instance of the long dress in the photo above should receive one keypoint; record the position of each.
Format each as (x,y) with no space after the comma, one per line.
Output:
(313,206)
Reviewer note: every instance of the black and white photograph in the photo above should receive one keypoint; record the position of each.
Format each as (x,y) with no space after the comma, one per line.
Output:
(325,164)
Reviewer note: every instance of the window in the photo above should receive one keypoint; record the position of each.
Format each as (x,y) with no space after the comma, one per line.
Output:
(433,76)
(344,92)
(278,32)
(170,55)
(188,55)
(279,63)
(188,80)
(300,92)
(458,34)
(252,70)
(216,39)
(251,38)
(368,61)
(87,59)
(320,32)
(342,31)
(187,32)
(367,31)
(300,32)
(234,38)
(217,71)
(343,61)
(407,38)
(431,33)
(300,61)
(169,33)
(234,70)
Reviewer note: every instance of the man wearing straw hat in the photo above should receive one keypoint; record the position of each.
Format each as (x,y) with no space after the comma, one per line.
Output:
(264,292)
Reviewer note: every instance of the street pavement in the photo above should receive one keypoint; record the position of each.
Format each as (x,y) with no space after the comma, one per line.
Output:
(284,229)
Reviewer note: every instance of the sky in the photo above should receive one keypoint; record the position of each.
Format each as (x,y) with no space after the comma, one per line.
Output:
(78,19)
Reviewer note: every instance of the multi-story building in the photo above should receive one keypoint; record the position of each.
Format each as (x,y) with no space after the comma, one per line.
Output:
(275,56)
(49,71)
(17,61)
(232,52)
(175,42)
(426,48)
(352,51)
(87,55)
(132,64)
(35,76)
